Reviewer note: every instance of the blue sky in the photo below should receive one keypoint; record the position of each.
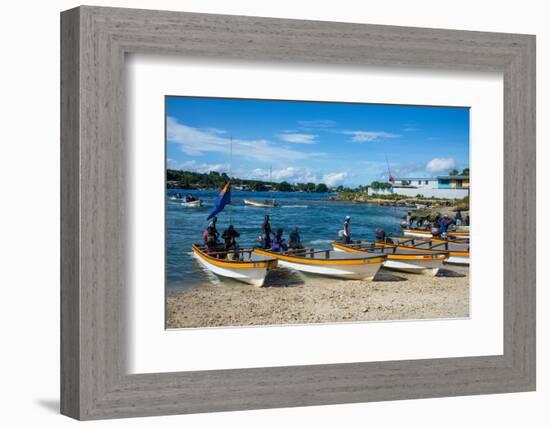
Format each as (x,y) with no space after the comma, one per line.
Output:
(334,143)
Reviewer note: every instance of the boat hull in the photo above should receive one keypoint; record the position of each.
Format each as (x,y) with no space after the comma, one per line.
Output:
(348,272)
(415,264)
(459,253)
(252,273)
(352,269)
(458,260)
(417,233)
(424,234)
(258,204)
(193,204)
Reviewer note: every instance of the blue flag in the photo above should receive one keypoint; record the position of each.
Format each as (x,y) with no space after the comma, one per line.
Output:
(224,198)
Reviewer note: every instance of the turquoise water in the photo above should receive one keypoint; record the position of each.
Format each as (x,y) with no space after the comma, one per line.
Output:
(318,219)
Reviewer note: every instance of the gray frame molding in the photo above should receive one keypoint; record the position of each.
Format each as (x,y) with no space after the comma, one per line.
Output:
(94,41)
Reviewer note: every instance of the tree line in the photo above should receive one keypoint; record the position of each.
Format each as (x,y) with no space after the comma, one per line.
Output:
(176,179)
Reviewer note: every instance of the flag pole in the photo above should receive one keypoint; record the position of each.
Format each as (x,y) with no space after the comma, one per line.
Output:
(229,174)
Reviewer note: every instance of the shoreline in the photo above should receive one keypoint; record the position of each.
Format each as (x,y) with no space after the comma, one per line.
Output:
(294,298)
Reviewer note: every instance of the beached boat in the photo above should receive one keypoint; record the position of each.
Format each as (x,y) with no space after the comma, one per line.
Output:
(248,202)
(329,263)
(459,252)
(417,262)
(427,234)
(193,204)
(250,268)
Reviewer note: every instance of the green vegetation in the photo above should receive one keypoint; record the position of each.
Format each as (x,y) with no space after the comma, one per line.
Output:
(454,172)
(375,185)
(465,172)
(212,180)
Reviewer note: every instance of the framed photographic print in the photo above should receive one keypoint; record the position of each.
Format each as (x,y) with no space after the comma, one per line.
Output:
(261,213)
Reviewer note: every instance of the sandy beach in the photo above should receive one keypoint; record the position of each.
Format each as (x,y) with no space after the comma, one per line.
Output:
(291,298)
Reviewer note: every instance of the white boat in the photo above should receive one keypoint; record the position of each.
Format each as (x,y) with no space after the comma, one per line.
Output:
(251,268)
(427,234)
(329,263)
(260,204)
(459,252)
(193,204)
(399,259)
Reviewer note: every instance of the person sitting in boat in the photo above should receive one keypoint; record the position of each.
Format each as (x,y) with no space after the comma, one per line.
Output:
(458,218)
(279,244)
(347,229)
(380,235)
(294,239)
(266,233)
(229,236)
(419,224)
(190,198)
(444,224)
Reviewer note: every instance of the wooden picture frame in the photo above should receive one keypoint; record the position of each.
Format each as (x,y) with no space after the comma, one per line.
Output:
(94,382)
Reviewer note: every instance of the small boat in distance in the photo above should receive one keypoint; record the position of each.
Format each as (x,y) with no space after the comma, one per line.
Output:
(459,252)
(193,204)
(329,263)
(250,267)
(266,204)
(400,259)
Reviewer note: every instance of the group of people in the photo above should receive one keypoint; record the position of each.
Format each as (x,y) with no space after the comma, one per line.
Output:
(439,225)
(268,239)
(211,236)
(276,242)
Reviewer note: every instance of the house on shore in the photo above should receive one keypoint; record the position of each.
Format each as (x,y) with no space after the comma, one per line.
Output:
(442,187)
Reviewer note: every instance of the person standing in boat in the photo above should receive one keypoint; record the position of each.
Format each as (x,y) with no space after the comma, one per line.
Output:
(266,231)
(211,234)
(409,220)
(347,229)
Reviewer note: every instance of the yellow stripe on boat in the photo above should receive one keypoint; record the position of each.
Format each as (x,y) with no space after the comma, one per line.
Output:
(233,264)
(400,257)
(313,261)
(409,248)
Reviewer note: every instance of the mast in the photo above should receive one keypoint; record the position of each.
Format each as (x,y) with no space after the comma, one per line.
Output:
(270,188)
(229,175)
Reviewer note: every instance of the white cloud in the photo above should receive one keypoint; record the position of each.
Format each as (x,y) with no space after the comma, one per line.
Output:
(194,166)
(335,178)
(290,174)
(195,142)
(366,136)
(298,138)
(440,165)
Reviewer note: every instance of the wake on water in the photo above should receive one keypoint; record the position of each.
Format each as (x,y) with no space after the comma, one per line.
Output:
(295,206)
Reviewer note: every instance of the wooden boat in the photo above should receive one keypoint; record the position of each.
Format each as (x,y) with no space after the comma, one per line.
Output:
(193,204)
(417,262)
(250,268)
(459,253)
(427,234)
(329,263)
(260,204)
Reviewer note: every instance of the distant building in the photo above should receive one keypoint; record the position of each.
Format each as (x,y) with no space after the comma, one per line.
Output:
(443,187)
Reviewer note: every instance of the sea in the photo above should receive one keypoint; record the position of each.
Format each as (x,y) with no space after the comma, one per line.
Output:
(318,218)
